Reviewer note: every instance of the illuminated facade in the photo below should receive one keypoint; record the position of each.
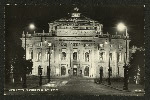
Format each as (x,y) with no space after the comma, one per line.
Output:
(78,47)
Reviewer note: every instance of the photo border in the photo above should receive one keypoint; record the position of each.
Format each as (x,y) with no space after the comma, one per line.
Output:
(77,2)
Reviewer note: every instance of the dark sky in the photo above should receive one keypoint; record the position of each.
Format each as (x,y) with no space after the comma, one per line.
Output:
(19,17)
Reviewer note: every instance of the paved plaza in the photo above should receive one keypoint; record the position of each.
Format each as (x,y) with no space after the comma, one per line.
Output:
(74,86)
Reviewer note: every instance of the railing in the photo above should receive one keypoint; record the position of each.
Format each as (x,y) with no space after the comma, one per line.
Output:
(50,34)
(37,34)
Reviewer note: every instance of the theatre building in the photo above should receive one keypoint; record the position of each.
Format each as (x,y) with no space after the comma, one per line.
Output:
(76,46)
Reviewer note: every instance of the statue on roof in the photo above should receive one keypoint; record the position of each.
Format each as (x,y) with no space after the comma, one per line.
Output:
(76,9)
(75,12)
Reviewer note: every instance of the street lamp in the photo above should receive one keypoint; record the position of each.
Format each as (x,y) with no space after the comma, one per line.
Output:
(109,70)
(122,27)
(48,69)
(31,27)
(101,73)
(24,74)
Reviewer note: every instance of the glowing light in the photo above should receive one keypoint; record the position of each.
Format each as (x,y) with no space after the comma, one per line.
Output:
(49,44)
(121,27)
(32,26)
(106,42)
(45,41)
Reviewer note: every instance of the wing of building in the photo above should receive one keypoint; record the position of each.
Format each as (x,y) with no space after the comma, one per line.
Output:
(76,46)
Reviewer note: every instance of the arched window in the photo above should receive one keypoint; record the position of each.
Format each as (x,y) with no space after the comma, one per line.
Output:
(80,72)
(87,57)
(110,56)
(38,56)
(32,54)
(101,55)
(69,71)
(39,69)
(75,56)
(120,57)
(86,71)
(63,56)
(47,55)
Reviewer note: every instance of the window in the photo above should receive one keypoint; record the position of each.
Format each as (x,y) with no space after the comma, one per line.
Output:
(80,72)
(75,56)
(38,56)
(75,44)
(39,44)
(47,55)
(120,57)
(63,56)
(111,45)
(68,71)
(39,69)
(110,55)
(64,44)
(31,54)
(101,54)
(87,57)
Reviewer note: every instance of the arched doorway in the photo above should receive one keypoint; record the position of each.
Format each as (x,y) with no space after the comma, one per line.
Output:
(63,70)
(86,71)
(74,70)
(101,71)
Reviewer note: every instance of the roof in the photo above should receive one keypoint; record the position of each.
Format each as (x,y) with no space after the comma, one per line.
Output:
(78,19)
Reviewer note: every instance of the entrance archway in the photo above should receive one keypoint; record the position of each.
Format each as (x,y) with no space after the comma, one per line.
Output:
(63,70)
(101,70)
(74,70)
(86,71)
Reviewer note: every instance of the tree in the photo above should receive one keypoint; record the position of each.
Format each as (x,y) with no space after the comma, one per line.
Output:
(19,63)
(29,65)
(137,59)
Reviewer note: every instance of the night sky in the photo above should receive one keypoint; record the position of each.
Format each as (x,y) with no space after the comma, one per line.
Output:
(19,17)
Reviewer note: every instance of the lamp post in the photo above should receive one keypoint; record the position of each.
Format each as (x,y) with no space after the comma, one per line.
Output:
(40,73)
(122,27)
(40,67)
(109,83)
(109,70)
(101,73)
(49,69)
(24,85)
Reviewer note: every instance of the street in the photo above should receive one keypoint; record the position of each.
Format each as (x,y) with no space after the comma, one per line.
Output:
(75,86)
